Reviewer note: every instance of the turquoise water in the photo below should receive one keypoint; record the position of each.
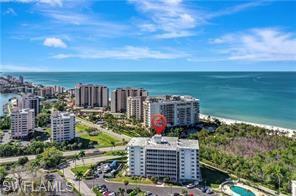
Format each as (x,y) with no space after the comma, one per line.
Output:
(3,100)
(260,97)
(240,191)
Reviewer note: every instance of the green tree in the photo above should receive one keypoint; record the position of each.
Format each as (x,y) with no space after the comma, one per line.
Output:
(79,175)
(75,158)
(4,122)
(50,158)
(121,191)
(43,119)
(81,155)
(3,174)
(125,182)
(22,161)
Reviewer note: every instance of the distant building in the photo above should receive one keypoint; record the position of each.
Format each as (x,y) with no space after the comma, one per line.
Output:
(47,92)
(135,107)
(21,79)
(59,89)
(22,122)
(120,95)
(30,101)
(62,126)
(164,157)
(178,110)
(89,95)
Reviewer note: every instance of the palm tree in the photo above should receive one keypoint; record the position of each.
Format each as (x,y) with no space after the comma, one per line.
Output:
(81,154)
(125,182)
(121,191)
(34,166)
(92,168)
(79,175)
(113,144)
(75,158)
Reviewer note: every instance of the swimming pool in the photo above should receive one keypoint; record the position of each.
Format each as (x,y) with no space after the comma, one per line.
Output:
(240,191)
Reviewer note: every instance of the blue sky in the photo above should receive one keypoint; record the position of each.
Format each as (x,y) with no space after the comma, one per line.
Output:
(148,35)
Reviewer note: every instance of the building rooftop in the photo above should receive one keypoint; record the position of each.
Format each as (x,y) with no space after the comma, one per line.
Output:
(166,143)
(170,98)
(63,115)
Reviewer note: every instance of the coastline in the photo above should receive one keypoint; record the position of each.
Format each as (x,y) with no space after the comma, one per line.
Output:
(287,131)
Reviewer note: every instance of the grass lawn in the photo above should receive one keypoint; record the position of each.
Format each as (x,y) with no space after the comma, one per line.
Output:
(82,128)
(82,168)
(103,139)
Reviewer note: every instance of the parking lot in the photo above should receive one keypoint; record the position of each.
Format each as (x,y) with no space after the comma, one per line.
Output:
(159,190)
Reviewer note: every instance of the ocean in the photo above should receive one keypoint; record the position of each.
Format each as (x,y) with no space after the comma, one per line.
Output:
(259,97)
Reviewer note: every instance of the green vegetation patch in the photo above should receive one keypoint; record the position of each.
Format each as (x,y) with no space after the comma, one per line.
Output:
(103,139)
(80,168)
(259,155)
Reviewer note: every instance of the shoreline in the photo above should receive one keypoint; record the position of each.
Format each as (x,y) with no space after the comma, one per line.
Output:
(289,132)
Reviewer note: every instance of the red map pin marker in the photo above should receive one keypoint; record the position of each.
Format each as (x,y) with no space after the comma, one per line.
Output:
(159,123)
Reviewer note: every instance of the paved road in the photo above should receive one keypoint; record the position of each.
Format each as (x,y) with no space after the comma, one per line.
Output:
(159,190)
(66,153)
(84,189)
(88,123)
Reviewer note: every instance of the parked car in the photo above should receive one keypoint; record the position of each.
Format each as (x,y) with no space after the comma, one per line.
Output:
(209,191)
(148,193)
(190,186)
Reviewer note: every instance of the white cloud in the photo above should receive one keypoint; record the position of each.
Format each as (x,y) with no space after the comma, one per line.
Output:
(9,11)
(52,2)
(48,2)
(128,52)
(169,17)
(54,42)
(265,44)
(173,19)
(234,9)
(21,68)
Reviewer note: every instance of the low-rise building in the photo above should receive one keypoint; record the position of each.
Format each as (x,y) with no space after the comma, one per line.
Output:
(62,126)
(22,122)
(164,157)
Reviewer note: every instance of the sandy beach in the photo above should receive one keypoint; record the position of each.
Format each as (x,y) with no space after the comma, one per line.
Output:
(288,132)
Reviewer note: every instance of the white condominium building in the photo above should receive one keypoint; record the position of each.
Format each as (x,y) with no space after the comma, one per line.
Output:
(90,95)
(22,122)
(178,110)
(120,95)
(62,126)
(30,101)
(135,107)
(164,157)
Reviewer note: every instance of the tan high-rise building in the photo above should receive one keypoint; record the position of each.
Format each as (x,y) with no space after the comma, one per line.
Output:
(22,122)
(178,110)
(120,95)
(135,107)
(90,95)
